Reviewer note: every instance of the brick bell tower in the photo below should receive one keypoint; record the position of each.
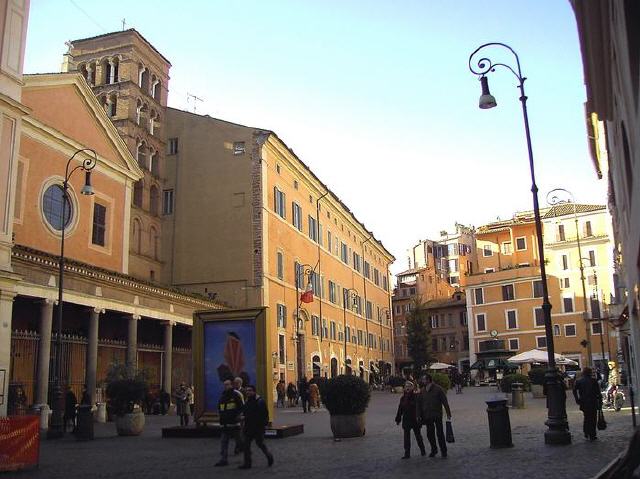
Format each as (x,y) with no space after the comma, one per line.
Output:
(130,78)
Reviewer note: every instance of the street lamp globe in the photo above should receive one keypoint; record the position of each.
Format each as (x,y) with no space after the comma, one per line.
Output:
(87,189)
(487,100)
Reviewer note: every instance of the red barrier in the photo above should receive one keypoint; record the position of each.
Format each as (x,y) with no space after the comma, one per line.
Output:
(19,442)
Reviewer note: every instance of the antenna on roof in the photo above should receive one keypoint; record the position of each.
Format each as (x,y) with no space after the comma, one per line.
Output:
(195,99)
(124,22)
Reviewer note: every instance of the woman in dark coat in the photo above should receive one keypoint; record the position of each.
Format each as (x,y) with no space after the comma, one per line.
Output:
(407,415)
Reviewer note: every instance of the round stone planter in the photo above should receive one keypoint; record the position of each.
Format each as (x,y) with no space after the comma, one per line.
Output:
(130,424)
(344,426)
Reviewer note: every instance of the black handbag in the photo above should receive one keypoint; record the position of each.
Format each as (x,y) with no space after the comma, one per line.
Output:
(449,432)
(602,423)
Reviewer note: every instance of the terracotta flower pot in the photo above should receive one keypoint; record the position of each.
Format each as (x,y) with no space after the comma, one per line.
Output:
(352,425)
(130,424)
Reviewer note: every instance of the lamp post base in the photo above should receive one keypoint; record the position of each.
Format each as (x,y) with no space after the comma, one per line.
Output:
(558,433)
(56,426)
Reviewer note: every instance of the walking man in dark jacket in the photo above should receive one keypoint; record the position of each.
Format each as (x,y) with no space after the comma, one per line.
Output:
(229,408)
(429,405)
(588,396)
(407,414)
(303,390)
(256,418)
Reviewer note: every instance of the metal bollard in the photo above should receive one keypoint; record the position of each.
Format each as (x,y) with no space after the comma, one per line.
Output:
(517,396)
(499,424)
(84,427)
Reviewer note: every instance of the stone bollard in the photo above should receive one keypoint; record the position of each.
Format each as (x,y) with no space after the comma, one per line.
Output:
(43,411)
(84,427)
(101,412)
(517,396)
(499,424)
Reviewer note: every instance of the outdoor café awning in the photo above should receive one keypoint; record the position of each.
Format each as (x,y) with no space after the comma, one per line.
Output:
(493,364)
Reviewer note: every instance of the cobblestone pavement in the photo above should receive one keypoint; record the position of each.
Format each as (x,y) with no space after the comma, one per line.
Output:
(377,454)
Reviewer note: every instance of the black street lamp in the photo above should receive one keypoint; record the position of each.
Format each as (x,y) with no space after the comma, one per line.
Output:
(553,199)
(56,428)
(558,426)
(302,271)
(349,295)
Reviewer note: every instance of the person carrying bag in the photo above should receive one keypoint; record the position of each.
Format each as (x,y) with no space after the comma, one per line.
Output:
(449,432)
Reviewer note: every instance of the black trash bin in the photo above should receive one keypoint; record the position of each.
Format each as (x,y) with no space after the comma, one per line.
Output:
(84,427)
(499,424)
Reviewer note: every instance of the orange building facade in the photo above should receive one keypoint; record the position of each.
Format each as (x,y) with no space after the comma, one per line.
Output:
(108,316)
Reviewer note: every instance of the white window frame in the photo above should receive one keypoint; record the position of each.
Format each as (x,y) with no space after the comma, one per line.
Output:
(563,281)
(517,340)
(506,318)
(533,288)
(573,303)
(282,361)
(513,288)
(484,250)
(284,322)
(525,243)
(475,297)
(504,250)
(538,343)
(562,268)
(280,265)
(594,263)
(591,328)
(484,315)
(556,327)
(534,317)
(489,270)
(575,330)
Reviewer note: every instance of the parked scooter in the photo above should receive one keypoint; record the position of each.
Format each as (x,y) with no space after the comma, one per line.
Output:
(613,398)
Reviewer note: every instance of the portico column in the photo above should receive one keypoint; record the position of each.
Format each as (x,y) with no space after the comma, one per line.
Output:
(168,352)
(6,308)
(92,353)
(132,341)
(44,351)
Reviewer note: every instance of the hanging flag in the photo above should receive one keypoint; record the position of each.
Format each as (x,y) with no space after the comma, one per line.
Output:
(307,296)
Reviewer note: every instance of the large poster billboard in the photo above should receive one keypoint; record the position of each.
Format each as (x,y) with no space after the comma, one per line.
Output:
(229,344)
(229,352)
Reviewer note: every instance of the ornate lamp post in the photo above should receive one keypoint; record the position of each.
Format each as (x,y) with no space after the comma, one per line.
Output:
(558,427)
(301,271)
(56,428)
(349,295)
(553,199)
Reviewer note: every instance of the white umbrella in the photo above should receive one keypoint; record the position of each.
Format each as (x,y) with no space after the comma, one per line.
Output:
(539,356)
(440,366)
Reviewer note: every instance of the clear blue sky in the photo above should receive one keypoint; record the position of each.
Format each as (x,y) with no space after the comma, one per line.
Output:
(375,96)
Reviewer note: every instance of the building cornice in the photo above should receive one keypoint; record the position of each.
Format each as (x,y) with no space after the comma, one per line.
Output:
(46,260)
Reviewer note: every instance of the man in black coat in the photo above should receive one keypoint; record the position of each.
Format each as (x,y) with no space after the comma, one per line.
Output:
(303,390)
(256,418)
(407,414)
(429,403)
(588,396)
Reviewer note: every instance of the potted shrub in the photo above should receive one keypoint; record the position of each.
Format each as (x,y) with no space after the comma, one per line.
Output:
(536,376)
(346,397)
(126,391)
(441,380)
